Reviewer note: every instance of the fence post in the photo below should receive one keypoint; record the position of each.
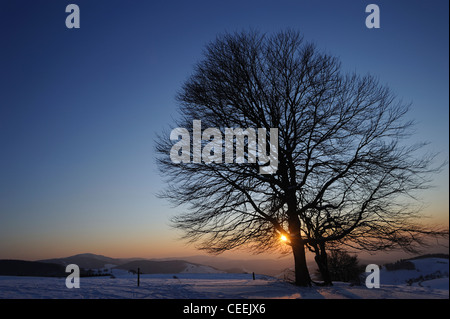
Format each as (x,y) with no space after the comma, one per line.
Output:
(139,272)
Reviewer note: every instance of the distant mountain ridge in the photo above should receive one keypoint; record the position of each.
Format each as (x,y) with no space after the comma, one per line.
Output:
(104,265)
(55,267)
(11,267)
(90,261)
(443,256)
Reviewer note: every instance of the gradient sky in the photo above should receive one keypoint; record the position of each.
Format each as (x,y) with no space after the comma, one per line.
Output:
(79,108)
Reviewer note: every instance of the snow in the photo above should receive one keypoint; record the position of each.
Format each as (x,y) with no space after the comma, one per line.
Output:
(109,266)
(431,267)
(191,285)
(200,269)
(439,283)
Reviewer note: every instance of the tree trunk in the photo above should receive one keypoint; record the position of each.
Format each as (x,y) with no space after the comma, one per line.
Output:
(321,259)
(302,277)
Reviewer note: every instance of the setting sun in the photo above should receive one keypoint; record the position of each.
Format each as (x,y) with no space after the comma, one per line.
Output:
(283,238)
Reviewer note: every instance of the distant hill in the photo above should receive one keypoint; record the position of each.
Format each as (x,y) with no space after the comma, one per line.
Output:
(31,268)
(146,266)
(91,264)
(264,266)
(421,270)
(192,264)
(166,267)
(89,261)
(174,265)
(443,256)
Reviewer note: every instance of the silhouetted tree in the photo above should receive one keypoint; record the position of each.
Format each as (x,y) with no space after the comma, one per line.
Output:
(340,159)
(343,266)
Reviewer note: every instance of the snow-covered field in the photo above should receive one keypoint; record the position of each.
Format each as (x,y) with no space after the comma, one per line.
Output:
(224,285)
(205,286)
(424,268)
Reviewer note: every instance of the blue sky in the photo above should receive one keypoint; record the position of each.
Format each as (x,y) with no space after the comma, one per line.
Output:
(79,108)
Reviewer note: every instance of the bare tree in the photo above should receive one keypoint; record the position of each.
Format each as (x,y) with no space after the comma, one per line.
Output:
(341,164)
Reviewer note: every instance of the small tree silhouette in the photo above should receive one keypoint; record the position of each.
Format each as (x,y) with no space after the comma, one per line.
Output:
(343,266)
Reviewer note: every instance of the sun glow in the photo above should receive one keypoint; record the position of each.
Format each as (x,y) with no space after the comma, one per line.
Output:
(283,238)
